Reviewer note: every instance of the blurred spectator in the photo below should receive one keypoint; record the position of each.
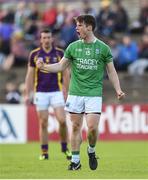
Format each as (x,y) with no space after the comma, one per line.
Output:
(7,14)
(18,54)
(145,29)
(128,53)
(143,17)
(87,9)
(143,48)
(12,93)
(50,15)
(30,29)
(139,25)
(6,31)
(2,59)
(2,13)
(7,28)
(141,65)
(21,14)
(61,15)
(121,17)
(34,13)
(4,51)
(7,24)
(105,19)
(68,33)
(113,43)
(31,22)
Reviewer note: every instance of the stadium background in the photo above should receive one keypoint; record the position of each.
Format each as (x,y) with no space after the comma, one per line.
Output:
(20,22)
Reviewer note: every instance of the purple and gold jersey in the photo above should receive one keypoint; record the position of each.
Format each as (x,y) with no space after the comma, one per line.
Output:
(45,81)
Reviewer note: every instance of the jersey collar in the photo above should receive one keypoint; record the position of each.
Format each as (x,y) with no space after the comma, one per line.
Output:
(95,39)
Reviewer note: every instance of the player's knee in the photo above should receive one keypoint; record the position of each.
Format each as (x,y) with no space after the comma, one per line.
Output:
(43,124)
(62,123)
(75,127)
(92,129)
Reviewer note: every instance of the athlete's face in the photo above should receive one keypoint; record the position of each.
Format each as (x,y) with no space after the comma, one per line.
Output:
(82,30)
(46,40)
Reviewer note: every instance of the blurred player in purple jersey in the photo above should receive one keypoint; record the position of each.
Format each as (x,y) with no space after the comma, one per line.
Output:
(48,91)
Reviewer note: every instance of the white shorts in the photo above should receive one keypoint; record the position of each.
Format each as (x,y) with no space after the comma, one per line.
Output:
(83,104)
(43,100)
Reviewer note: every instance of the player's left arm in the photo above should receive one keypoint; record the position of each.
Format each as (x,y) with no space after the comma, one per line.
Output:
(113,77)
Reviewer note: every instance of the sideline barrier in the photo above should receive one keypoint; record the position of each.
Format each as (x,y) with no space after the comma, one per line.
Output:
(118,122)
(19,124)
(13,126)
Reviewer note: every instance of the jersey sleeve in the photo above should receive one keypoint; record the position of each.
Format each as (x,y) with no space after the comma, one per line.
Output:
(108,55)
(68,52)
(31,61)
(59,53)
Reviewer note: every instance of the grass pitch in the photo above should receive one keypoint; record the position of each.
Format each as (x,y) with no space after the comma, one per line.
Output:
(128,160)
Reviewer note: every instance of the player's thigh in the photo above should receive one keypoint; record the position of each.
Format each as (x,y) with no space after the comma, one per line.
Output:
(92,120)
(93,104)
(41,101)
(77,120)
(43,117)
(75,104)
(57,99)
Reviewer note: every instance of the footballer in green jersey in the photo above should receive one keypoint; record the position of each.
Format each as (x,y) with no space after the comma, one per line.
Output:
(87,58)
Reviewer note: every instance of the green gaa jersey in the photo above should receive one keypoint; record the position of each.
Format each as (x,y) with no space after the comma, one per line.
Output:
(88,61)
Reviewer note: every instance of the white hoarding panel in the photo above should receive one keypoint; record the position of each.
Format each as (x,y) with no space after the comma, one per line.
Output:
(13,124)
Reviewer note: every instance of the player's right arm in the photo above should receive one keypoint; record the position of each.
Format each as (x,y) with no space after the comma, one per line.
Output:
(53,68)
(29,83)
(66,81)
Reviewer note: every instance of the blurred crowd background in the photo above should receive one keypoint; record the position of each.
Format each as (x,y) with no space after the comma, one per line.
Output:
(122,24)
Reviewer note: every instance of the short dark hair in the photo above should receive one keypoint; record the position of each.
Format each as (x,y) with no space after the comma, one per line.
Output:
(45,31)
(87,19)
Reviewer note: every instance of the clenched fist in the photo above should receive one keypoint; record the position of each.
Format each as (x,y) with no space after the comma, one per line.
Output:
(120,95)
(40,63)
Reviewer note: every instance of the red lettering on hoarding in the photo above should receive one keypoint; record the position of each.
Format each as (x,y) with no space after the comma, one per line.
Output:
(118,122)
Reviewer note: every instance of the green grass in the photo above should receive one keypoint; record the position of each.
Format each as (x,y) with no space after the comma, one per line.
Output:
(128,160)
